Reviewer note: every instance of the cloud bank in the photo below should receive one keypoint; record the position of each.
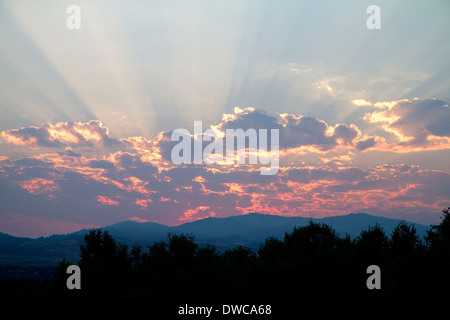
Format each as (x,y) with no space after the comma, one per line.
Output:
(79,175)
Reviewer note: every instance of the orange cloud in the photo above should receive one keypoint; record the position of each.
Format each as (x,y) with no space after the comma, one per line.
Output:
(137,185)
(39,186)
(199,179)
(191,213)
(235,188)
(143,202)
(107,201)
(139,220)
(25,137)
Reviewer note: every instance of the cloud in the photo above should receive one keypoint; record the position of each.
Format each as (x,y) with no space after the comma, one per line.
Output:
(325,85)
(39,186)
(97,193)
(415,124)
(61,134)
(32,137)
(318,176)
(298,130)
(199,212)
(107,201)
(361,103)
(139,220)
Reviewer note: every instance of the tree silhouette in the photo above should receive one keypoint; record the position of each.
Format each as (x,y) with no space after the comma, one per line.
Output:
(313,258)
(372,245)
(438,237)
(182,249)
(106,266)
(272,250)
(404,240)
(438,258)
(238,271)
(311,239)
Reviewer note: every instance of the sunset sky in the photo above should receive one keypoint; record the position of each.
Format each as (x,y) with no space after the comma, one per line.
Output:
(86,115)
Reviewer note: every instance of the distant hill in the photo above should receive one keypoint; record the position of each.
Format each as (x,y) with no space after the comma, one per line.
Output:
(251,230)
(246,230)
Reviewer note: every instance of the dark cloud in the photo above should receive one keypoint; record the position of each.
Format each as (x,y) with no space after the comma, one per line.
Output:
(305,131)
(295,130)
(351,174)
(102,164)
(366,143)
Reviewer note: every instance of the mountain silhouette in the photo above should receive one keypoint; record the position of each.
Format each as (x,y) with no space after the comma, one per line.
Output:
(244,230)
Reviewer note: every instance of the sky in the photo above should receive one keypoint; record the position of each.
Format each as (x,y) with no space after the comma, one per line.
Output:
(86,115)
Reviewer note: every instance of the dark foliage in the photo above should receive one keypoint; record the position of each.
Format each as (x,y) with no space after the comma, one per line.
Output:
(311,262)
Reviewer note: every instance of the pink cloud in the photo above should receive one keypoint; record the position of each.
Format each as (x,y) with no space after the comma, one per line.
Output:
(139,220)
(39,186)
(143,202)
(193,214)
(319,172)
(107,201)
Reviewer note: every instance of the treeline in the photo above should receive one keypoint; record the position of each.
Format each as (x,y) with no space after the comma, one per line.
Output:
(311,262)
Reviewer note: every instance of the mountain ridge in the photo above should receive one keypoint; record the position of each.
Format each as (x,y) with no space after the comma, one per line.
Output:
(246,230)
